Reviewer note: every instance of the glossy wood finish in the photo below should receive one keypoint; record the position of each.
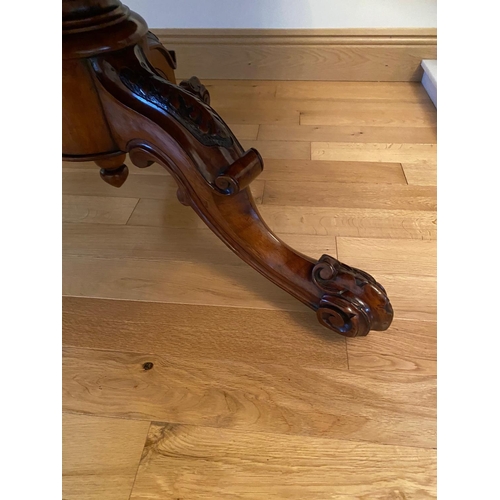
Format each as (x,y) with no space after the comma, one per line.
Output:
(154,120)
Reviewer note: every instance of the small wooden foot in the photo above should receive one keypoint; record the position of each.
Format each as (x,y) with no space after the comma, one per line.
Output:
(113,170)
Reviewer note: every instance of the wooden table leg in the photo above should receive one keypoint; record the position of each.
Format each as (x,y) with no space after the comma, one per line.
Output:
(126,77)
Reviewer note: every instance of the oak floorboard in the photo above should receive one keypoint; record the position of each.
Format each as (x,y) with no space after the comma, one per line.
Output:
(354,222)
(247,83)
(145,243)
(334,221)
(347,133)
(244,131)
(384,152)
(181,282)
(390,256)
(338,112)
(156,186)
(167,212)
(97,209)
(89,183)
(202,332)
(221,91)
(294,170)
(409,345)
(100,456)
(350,195)
(376,114)
(165,243)
(356,91)
(385,408)
(91,167)
(257,115)
(282,150)
(231,464)
(201,283)
(412,297)
(422,173)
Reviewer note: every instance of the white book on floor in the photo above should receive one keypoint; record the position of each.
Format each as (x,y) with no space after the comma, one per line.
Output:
(429,78)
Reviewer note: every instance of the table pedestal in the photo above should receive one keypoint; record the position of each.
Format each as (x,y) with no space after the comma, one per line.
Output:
(120,96)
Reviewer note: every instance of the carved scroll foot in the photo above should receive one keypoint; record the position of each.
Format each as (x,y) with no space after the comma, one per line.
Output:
(157,121)
(353,302)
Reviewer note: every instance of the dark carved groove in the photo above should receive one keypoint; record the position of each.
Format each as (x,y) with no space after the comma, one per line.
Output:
(182,105)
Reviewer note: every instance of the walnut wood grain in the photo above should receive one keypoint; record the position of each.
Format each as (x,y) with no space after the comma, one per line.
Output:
(154,120)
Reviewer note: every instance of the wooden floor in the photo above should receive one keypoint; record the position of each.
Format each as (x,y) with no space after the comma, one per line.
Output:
(187,375)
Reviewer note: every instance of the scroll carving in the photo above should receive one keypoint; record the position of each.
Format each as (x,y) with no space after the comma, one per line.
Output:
(353,302)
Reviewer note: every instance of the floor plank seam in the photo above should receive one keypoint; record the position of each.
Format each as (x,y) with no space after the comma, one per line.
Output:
(132,212)
(140,461)
(263,196)
(264,434)
(416,317)
(404,173)
(184,303)
(209,359)
(347,354)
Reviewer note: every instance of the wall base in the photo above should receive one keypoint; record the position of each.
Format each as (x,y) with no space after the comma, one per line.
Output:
(392,55)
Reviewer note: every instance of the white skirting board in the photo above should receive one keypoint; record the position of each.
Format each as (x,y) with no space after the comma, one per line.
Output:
(429,78)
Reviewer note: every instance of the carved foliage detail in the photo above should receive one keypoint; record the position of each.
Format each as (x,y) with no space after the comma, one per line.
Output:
(194,86)
(353,302)
(198,118)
